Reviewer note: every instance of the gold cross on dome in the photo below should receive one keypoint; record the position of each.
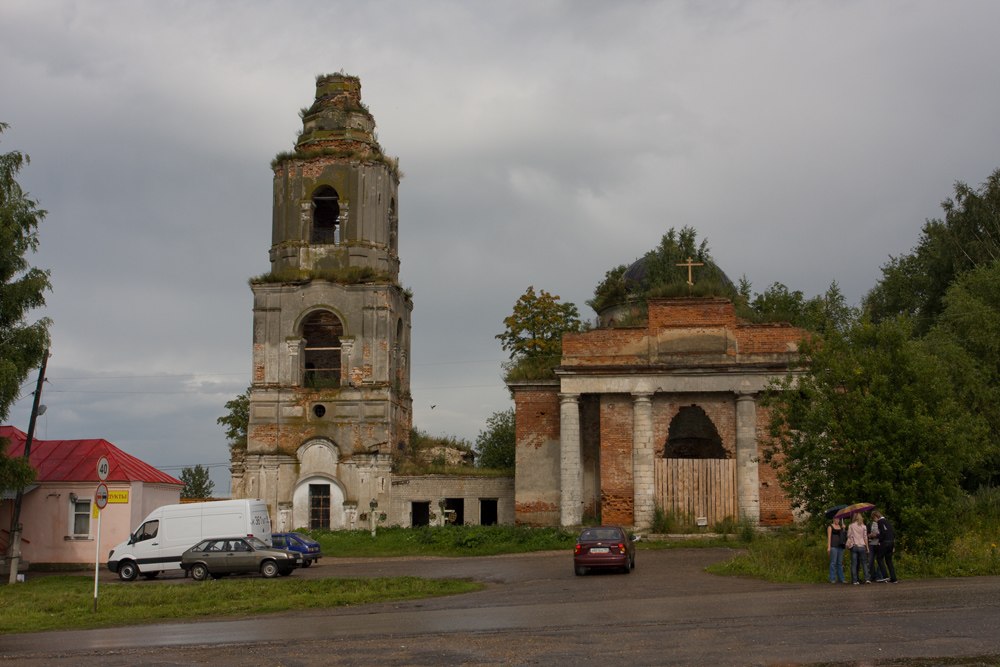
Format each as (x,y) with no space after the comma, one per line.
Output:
(690,264)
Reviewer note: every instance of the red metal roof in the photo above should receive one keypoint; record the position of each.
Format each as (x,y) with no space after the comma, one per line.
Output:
(76,460)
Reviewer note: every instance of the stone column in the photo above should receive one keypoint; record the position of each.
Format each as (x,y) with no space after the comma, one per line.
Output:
(747,477)
(570,461)
(291,373)
(643,485)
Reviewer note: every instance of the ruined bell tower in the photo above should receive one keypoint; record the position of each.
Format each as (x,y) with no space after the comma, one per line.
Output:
(330,394)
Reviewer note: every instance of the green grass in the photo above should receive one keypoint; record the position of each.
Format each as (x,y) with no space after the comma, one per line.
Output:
(787,555)
(67,602)
(798,555)
(442,541)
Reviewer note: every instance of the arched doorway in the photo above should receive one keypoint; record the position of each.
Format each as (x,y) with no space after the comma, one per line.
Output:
(696,477)
(318,503)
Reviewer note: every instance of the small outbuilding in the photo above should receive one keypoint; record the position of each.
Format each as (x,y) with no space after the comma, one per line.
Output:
(58,511)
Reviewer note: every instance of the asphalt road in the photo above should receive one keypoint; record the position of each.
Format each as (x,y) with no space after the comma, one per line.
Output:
(535,611)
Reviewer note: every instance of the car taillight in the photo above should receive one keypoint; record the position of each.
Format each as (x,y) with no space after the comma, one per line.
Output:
(577,550)
(621,547)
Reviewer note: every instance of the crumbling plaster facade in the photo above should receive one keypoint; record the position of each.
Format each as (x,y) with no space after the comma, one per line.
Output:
(330,394)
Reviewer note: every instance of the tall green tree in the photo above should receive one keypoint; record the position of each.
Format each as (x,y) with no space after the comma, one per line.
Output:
(237,421)
(22,286)
(197,483)
(874,417)
(22,289)
(820,314)
(966,238)
(496,443)
(533,331)
(966,336)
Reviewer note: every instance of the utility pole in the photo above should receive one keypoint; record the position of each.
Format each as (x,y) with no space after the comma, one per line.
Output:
(15,526)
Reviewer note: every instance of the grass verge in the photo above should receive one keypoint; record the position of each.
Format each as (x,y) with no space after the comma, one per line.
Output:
(67,603)
(442,541)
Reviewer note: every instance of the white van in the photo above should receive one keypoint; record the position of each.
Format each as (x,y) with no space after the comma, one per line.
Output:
(157,544)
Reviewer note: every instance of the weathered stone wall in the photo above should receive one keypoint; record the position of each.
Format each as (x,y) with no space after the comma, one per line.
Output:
(435,488)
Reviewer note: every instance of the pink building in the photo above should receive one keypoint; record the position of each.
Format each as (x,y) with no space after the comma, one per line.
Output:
(58,511)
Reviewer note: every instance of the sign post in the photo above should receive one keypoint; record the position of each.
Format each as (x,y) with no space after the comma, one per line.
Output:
(101,500)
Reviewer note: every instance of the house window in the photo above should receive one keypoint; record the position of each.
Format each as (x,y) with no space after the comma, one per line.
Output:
(321,359)
(81,518)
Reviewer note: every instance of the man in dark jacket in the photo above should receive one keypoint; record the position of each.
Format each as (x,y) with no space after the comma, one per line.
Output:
(886,543)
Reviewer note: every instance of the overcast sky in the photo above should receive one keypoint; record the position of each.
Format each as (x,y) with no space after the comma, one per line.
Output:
(542,143)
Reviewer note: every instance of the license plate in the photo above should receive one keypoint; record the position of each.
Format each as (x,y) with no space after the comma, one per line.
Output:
(599,550)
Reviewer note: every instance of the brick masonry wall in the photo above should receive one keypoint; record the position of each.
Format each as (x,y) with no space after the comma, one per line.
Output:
(617,491)
(775,509)
(536,480)
(720,408)
(693,312)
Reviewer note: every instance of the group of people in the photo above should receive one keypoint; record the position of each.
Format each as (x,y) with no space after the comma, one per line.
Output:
(871,548)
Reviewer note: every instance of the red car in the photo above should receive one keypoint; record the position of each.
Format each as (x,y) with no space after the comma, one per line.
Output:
(604,547)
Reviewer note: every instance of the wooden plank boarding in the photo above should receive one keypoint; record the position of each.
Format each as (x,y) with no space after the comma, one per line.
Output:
(692,488)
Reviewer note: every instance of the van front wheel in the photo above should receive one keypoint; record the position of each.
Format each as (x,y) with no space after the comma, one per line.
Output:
(269,569)
(127,570)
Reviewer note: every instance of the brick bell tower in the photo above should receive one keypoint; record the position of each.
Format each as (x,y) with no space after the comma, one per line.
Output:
(330,395)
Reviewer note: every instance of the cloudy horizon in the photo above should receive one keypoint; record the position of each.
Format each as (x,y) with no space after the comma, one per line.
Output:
(542,143)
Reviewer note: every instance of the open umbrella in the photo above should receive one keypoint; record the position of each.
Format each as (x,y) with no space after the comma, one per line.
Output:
(833,510)
(854,509)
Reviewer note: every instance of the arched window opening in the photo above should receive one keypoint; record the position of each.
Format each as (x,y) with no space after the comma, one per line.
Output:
(326,216)
(692,435)
(322,331)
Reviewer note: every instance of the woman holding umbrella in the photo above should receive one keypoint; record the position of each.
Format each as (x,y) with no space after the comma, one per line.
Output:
(836,536)
(857,542)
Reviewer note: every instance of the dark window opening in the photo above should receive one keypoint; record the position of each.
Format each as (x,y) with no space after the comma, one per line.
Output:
(393,227)
(319,410)
(321,363)
(456,505)
(692,435)
(487,511)
(326,216)
(319,506)
(420,514)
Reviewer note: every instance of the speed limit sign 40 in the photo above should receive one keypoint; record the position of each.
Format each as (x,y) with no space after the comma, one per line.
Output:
(101,496)
(103,468)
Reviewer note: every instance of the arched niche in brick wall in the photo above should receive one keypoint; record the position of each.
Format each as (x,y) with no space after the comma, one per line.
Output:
(692,435)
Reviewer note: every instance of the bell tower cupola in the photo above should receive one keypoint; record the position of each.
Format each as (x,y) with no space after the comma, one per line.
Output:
(335,193)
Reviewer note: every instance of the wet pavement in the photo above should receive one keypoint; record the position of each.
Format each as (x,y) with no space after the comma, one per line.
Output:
(535,611)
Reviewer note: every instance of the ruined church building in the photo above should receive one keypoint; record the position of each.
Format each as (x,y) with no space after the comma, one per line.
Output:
(663,415)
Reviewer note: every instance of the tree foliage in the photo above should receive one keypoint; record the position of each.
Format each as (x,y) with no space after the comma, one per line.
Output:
(967,238)
(820,314)
(534,330)
(874,418)
(496,443)
(237,421)
(967,337)
(196,483)
(22,287)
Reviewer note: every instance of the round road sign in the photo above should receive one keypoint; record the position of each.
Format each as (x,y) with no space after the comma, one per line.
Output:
(103,468)
(101,496)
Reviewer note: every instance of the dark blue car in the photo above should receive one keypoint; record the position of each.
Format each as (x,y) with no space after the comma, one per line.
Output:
(300,544)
